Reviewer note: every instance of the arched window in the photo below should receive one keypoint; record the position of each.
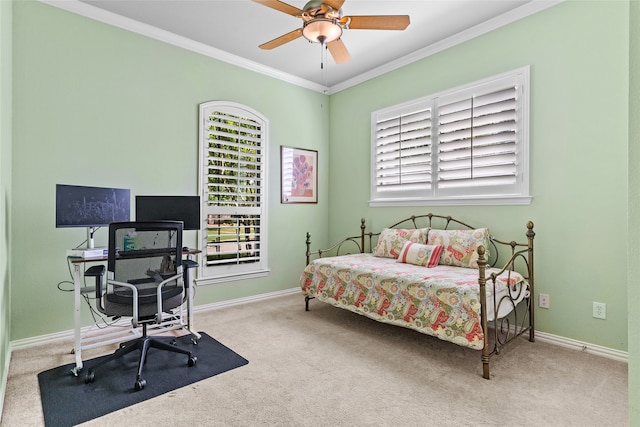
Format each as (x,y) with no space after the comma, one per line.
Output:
(233,184)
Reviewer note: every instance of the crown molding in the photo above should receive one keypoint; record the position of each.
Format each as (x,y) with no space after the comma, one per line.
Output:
(101,15)
(128,24)
(499,21)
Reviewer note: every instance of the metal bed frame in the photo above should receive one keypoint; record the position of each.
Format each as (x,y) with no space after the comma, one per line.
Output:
(498,332)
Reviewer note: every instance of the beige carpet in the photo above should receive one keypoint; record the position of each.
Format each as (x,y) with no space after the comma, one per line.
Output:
(330,367)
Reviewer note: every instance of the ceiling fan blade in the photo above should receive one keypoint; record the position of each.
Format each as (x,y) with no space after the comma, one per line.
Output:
(335,4)
(279,41)
(339,51)
(280,6)
(381,22)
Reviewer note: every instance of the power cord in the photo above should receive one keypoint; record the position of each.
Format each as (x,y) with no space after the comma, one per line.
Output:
(99,320)
(68,282)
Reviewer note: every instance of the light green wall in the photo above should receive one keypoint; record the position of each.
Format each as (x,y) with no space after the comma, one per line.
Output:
(97,105)
(578,53)
(5,191)
(634,215)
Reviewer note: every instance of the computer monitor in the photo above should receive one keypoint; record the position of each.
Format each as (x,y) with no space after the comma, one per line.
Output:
(91,207)
(170,208)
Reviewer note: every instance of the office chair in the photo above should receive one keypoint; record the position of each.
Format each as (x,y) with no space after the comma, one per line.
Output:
(144,282)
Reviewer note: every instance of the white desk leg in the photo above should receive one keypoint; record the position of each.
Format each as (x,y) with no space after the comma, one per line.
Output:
(191,288)
(190,312)
(77,346)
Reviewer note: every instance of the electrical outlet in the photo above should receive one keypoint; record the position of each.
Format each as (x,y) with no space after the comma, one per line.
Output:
(543,300)
(599,310)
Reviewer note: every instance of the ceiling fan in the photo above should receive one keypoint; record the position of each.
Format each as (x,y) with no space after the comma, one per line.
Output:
(323,23)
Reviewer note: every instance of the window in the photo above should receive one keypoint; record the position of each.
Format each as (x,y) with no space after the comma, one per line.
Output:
(468,145)
(233,175)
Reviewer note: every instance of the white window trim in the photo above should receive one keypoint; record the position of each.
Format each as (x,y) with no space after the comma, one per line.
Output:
(523,197)
(261,268)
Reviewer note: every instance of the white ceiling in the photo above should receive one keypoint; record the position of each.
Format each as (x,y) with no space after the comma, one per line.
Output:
(231,30)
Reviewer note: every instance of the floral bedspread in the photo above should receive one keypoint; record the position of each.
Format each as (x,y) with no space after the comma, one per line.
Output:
(442,301)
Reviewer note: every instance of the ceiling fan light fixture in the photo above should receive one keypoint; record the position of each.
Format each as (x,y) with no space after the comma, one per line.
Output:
(321,30)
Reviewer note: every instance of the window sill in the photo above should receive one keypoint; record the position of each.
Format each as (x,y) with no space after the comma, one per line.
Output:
(455,201)
(214,280)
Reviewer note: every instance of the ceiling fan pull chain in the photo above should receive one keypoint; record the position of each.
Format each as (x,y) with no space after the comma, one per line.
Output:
(323,65)
(322,59)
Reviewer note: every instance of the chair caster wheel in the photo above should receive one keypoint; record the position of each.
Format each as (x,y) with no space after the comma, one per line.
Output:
(192,360)
(90,377)
(140,384)
(194,341)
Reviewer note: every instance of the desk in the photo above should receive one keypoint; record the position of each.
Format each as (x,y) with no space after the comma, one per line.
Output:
(87,340)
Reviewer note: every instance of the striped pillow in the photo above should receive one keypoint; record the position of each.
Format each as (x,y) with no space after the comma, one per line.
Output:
(419,254)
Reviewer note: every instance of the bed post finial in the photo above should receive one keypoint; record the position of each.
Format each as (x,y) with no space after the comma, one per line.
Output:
(362,228)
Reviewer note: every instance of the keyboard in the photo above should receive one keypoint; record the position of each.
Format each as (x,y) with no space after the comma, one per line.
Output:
(141,253)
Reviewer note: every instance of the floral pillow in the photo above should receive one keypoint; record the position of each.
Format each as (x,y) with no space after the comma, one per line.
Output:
(460,246)
(391,241)
(419,254)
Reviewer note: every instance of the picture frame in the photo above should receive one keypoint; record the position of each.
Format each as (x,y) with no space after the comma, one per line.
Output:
(299,175)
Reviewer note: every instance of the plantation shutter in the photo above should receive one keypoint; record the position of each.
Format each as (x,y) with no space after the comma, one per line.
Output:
(233,190)
(477,141)
(465,146)
(403,151)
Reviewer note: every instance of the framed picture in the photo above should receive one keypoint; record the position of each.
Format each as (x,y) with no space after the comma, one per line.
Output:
(299,175)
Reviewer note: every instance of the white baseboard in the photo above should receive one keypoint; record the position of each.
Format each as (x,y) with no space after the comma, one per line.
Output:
(618,355)
(59,336)
(5,378)
(244,300)
(609,353)
(597,350)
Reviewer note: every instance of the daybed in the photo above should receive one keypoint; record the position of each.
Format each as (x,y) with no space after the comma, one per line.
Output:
(433,274)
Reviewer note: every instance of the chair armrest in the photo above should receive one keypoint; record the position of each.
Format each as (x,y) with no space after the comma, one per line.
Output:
(159,300)
(96,271)
(188,264)
(134,293)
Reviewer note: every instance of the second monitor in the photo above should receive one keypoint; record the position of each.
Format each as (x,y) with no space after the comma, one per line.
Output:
(170,208)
